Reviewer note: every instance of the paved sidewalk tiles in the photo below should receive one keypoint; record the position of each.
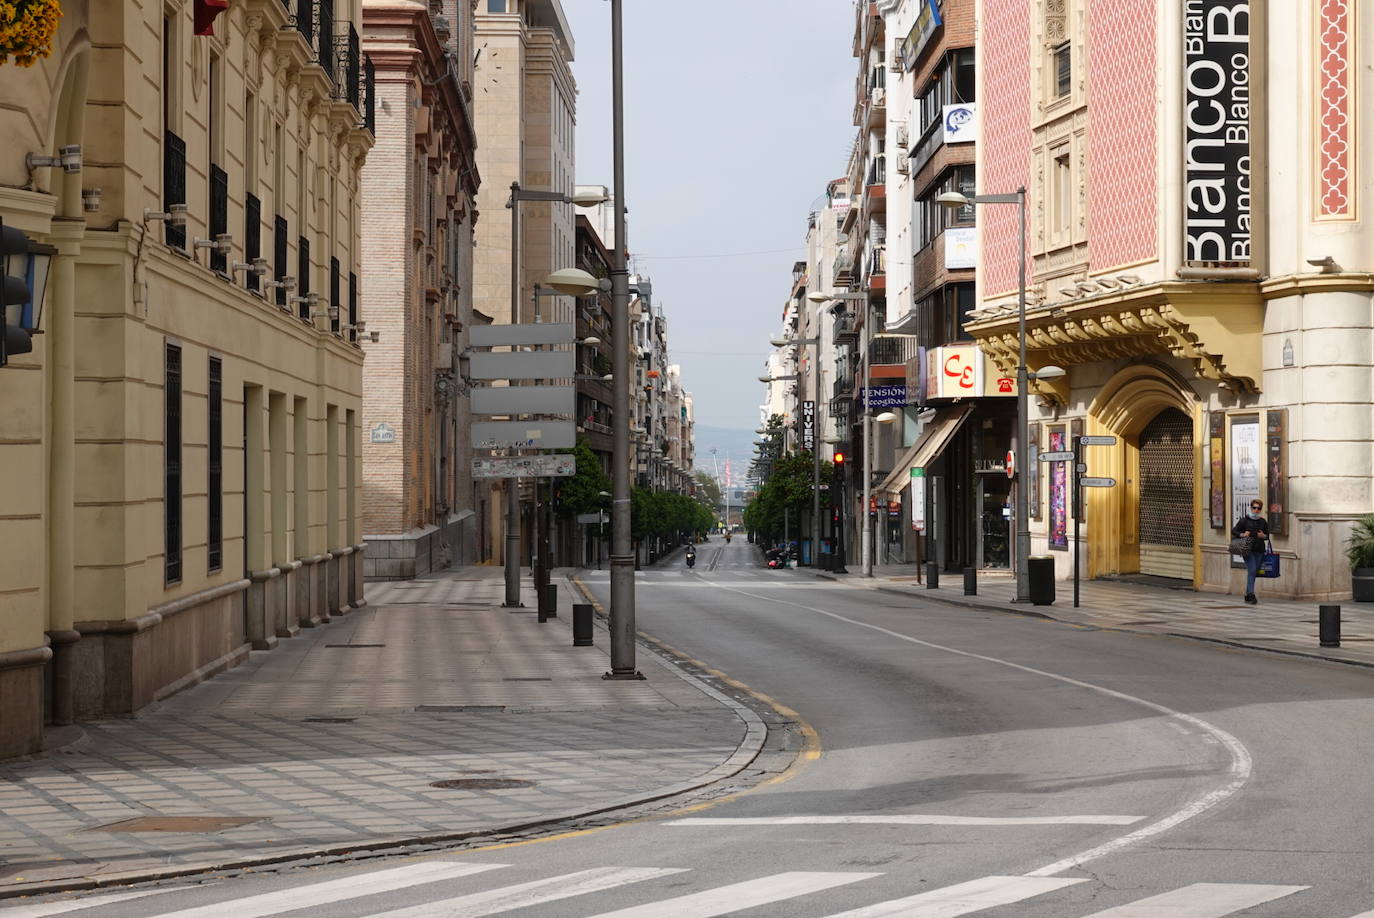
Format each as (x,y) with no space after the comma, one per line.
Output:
(1281,625)
(323,743)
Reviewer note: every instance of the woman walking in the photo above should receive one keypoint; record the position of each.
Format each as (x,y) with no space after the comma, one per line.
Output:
(1254,529)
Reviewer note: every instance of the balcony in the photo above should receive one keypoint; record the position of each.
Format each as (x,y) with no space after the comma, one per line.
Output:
(843,388)
(846,327)
(844,269)
(876,276)
(891,352)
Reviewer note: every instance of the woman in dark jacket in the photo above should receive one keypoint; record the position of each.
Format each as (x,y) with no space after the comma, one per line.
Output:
(1255,527)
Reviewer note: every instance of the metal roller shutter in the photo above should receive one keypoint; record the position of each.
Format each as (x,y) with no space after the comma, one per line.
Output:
(1166,496)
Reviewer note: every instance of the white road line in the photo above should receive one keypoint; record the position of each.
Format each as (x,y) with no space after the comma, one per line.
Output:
(1237,774)
(963,898)
(524,895)
(1200,900)
(736,897)
(908,820)
(43,909)
(354,887)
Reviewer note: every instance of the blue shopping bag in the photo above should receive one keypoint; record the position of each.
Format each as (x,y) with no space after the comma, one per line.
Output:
(1269,563)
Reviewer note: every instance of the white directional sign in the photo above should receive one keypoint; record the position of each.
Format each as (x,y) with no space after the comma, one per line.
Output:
(524,400)
(515,335)
(1097,482)
(521,364)
(1107,440)
(523,435)
(561,466)
(1057,456)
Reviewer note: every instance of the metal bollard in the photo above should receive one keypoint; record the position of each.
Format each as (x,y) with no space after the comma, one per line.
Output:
(970,581)
(1329,625)
(932,575)
(582,624)
(548,602)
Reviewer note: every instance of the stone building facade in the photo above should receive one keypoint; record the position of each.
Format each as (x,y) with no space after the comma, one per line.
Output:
(181,446)
(1199,265)
(421,510)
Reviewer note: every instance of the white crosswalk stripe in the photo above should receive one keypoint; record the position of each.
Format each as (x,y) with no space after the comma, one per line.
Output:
(538,892)
(44,909)
(738,896)
(330,891)
(963,898)
(1200,900)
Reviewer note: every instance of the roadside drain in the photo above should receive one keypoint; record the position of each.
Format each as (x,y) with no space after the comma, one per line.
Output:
(327,720)
(481,783)
(457,708)
(354,645)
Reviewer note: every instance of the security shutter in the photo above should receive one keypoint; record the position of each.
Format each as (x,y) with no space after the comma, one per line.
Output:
(1166,496)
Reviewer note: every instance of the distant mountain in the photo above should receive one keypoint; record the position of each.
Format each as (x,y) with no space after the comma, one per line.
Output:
(737,445)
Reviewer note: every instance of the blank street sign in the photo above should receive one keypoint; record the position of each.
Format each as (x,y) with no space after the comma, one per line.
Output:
(1107,440)
(523,435)
(1097,482)
(521,365)
(1062,455)
(524,400)
(510,335)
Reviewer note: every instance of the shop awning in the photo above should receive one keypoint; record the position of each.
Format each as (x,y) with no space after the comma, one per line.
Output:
(933,440)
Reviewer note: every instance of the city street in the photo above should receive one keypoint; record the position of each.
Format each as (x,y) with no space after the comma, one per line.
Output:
(970,762)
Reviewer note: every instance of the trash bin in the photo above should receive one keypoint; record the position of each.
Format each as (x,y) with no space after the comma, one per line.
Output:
(1040,573)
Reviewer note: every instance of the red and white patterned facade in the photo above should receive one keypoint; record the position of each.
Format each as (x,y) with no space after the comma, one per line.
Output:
(1283,337)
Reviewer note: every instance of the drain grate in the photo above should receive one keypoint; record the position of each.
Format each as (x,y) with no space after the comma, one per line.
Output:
(328,720)
(481,783)
(354,645)
(527,679)
(202,824)
(456,708)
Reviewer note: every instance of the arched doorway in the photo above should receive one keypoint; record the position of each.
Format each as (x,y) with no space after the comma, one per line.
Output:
(1165,509)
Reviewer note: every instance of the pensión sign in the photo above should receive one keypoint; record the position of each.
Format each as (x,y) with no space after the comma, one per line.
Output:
(1216,131)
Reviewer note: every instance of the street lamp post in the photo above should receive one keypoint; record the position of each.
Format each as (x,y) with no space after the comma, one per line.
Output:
(818,297)
(518,196)
(954,199)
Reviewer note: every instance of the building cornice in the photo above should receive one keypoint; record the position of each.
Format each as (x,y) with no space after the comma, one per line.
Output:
(1301,284)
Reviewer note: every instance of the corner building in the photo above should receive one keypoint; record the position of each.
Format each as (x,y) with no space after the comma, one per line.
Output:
(1197,262)
(181,446)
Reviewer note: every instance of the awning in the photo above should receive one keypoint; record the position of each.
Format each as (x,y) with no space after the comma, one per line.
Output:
(933,440)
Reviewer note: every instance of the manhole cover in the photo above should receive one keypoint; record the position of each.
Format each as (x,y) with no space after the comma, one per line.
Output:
(178,824)
(327,720)
(481,783)
(354,645)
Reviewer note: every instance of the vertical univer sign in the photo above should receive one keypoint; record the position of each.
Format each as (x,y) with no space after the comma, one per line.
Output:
(1216,131)
(808,425)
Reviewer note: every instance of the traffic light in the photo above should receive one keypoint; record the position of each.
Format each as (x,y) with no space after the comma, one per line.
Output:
(14,292)
(839,458)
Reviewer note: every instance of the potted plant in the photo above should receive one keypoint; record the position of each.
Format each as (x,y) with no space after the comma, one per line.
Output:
(26,29)
(1359,549)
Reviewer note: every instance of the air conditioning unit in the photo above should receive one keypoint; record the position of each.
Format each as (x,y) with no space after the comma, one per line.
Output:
(903,165)
(901,136)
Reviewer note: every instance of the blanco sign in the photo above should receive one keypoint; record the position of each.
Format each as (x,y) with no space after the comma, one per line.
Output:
(961,122)
(1216,131)
(557,466)
(961,247)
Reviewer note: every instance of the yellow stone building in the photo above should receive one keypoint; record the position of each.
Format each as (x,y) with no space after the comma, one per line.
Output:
(180,448)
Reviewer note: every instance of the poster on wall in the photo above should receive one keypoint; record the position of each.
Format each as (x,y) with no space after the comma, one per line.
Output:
(1059,493)
(1276,455)
(1033,460)
(1216,455)
(1245,468)
(1216,131)
(918,500)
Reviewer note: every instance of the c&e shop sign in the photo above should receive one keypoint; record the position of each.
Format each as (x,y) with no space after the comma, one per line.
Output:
(1216,130)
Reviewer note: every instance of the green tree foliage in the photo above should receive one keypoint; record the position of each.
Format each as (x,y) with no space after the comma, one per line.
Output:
(582,492)
(708,492)
(788,489)
(665,515)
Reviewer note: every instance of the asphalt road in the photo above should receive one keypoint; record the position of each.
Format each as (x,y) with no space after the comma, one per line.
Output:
(972,763)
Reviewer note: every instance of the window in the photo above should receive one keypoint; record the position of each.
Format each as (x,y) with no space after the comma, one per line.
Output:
(250,142)
(496,6)
(171,464)
(1063,70)
(303,277)
(934,219)
(214,539)
(1061,194)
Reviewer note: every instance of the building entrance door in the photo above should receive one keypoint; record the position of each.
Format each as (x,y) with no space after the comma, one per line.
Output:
(1166,496)
(994,529)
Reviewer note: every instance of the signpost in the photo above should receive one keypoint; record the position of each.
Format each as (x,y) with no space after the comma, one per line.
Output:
(1079,483)
(555,466)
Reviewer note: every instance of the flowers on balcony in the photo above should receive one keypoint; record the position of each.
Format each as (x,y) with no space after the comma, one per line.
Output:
(26,29)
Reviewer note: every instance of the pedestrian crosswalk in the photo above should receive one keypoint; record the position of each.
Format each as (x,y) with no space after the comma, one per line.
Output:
(442,888)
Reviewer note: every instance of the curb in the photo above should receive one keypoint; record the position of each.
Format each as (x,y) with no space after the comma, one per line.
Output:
(1183,635)
(748,749)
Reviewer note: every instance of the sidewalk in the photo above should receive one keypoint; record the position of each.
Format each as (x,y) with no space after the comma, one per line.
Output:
(334,740)
(1274,624)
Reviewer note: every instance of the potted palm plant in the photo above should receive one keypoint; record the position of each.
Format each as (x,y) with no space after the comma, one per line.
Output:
(1359,549)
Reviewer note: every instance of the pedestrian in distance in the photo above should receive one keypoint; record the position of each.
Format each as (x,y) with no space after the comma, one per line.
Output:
(1248,538)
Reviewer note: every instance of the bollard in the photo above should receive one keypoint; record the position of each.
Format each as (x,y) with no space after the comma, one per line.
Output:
(932,575)
(1329,625)
(970,581)
(582,624)
(548,602)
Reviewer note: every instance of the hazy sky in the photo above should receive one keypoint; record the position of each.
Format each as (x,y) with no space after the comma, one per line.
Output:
(737,112)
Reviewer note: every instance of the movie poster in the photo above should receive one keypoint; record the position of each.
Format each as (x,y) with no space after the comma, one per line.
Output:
(1059,493)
